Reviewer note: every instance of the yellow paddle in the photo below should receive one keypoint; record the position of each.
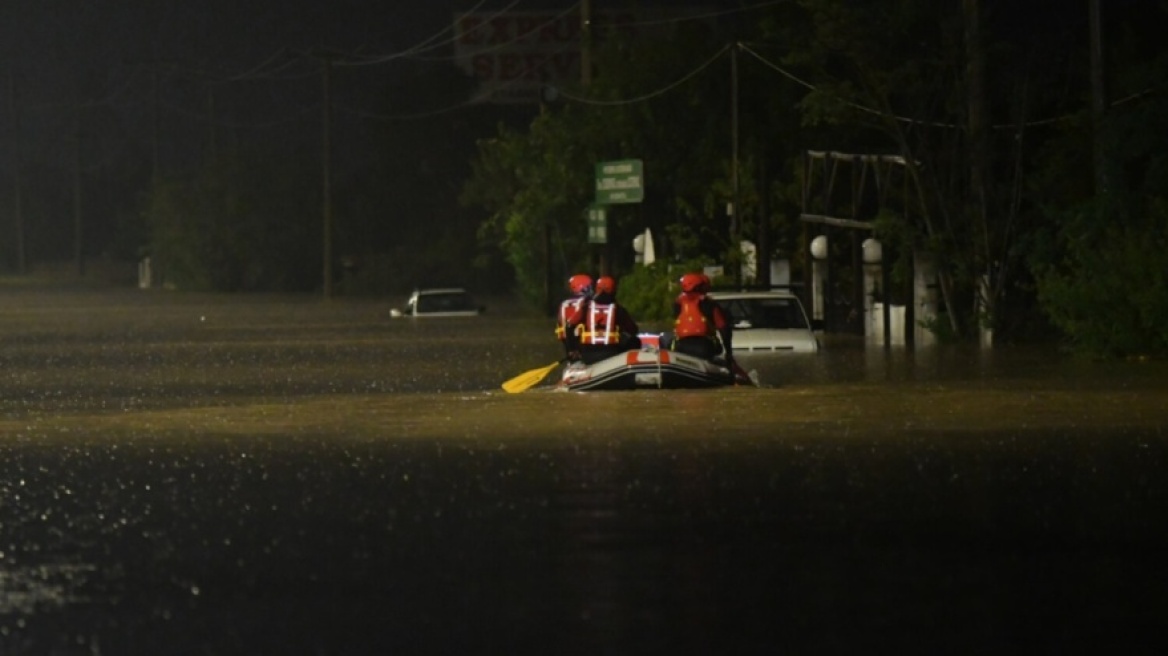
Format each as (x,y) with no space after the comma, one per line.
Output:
(529,379)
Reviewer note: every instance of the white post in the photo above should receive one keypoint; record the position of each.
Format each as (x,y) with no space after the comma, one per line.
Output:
(985,331)
(925,296)
(145,279)
(872,255)
(818,257)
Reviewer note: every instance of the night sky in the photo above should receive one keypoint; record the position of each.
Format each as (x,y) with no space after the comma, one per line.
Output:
(111,84)
(92,68)
(127,87)
(56,53)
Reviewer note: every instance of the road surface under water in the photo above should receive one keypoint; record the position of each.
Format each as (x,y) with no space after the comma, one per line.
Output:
(184,474)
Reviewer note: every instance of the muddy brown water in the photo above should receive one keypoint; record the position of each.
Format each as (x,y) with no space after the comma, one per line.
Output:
(186,474)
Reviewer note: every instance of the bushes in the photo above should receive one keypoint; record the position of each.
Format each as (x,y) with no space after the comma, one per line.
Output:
(647,295)
(1109,295)
(648,292)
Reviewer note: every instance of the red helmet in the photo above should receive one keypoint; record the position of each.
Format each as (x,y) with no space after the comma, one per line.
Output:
(580,283)
(695,282)
(606,285)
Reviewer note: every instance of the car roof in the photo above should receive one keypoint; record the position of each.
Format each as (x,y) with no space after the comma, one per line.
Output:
(764,293)
(440,290)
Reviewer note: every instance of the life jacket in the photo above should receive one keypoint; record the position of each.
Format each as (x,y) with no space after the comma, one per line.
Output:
(693,319)
(600,326)
(567,307)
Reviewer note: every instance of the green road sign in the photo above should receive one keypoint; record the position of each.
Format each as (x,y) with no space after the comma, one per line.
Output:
(597,225)
(621,181)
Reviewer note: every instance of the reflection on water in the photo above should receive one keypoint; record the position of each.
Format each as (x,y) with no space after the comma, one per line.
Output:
(183,474)
(47,586)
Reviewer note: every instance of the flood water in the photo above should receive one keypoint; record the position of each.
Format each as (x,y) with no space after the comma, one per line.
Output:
(184,474)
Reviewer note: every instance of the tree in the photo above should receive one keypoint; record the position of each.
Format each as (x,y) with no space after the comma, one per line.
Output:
(537,183)
(952,89)
(1100,262)
(235,226)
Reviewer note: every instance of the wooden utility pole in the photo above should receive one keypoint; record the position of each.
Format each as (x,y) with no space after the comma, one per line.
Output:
(326,176)
(212,132)
(154,159)
(735,199)
(585,42)
(978,149)
(976,107)
(17,181)
(1098,97)
(78,254)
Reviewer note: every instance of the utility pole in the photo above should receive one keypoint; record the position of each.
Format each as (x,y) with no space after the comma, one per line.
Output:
(1098,97)
(326,175)
(585,42)
(735,195)
(154,165)
(600,250)
(979,158)
(212,135)
(18,182)
(78,255)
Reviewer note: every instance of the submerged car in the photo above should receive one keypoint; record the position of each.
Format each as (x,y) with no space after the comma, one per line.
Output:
(445,302)
(768,321)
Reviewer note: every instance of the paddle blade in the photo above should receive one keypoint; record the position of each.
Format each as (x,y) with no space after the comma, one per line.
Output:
(529,379)
(743,377)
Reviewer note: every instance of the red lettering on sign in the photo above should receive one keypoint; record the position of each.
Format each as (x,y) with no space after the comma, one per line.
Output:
(468,27)
(500,30)
(563,65)
(535,67)
(510,66)
(483,66)
(525,26)
(559,31)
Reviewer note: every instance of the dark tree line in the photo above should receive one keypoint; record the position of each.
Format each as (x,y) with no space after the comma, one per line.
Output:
(1034,165)
(990,104)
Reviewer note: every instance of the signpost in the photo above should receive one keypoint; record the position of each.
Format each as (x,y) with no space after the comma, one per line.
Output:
(620,181)
(597,225)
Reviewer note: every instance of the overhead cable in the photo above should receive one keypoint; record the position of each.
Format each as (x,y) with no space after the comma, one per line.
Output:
(652,94)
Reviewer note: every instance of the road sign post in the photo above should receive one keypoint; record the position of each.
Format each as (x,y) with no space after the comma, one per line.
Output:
(597,225)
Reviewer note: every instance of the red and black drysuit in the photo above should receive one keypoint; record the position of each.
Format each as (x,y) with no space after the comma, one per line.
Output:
(698,324)
(568,307)
(600,328)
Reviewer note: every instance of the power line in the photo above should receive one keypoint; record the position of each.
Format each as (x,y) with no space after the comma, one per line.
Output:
(952,126)
(426,44)
(652,94)
(510,42)
(704,16)
(862,108)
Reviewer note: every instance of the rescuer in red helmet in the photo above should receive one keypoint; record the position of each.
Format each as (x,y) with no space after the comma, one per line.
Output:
(701,327)
(580,286)
(601,327)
